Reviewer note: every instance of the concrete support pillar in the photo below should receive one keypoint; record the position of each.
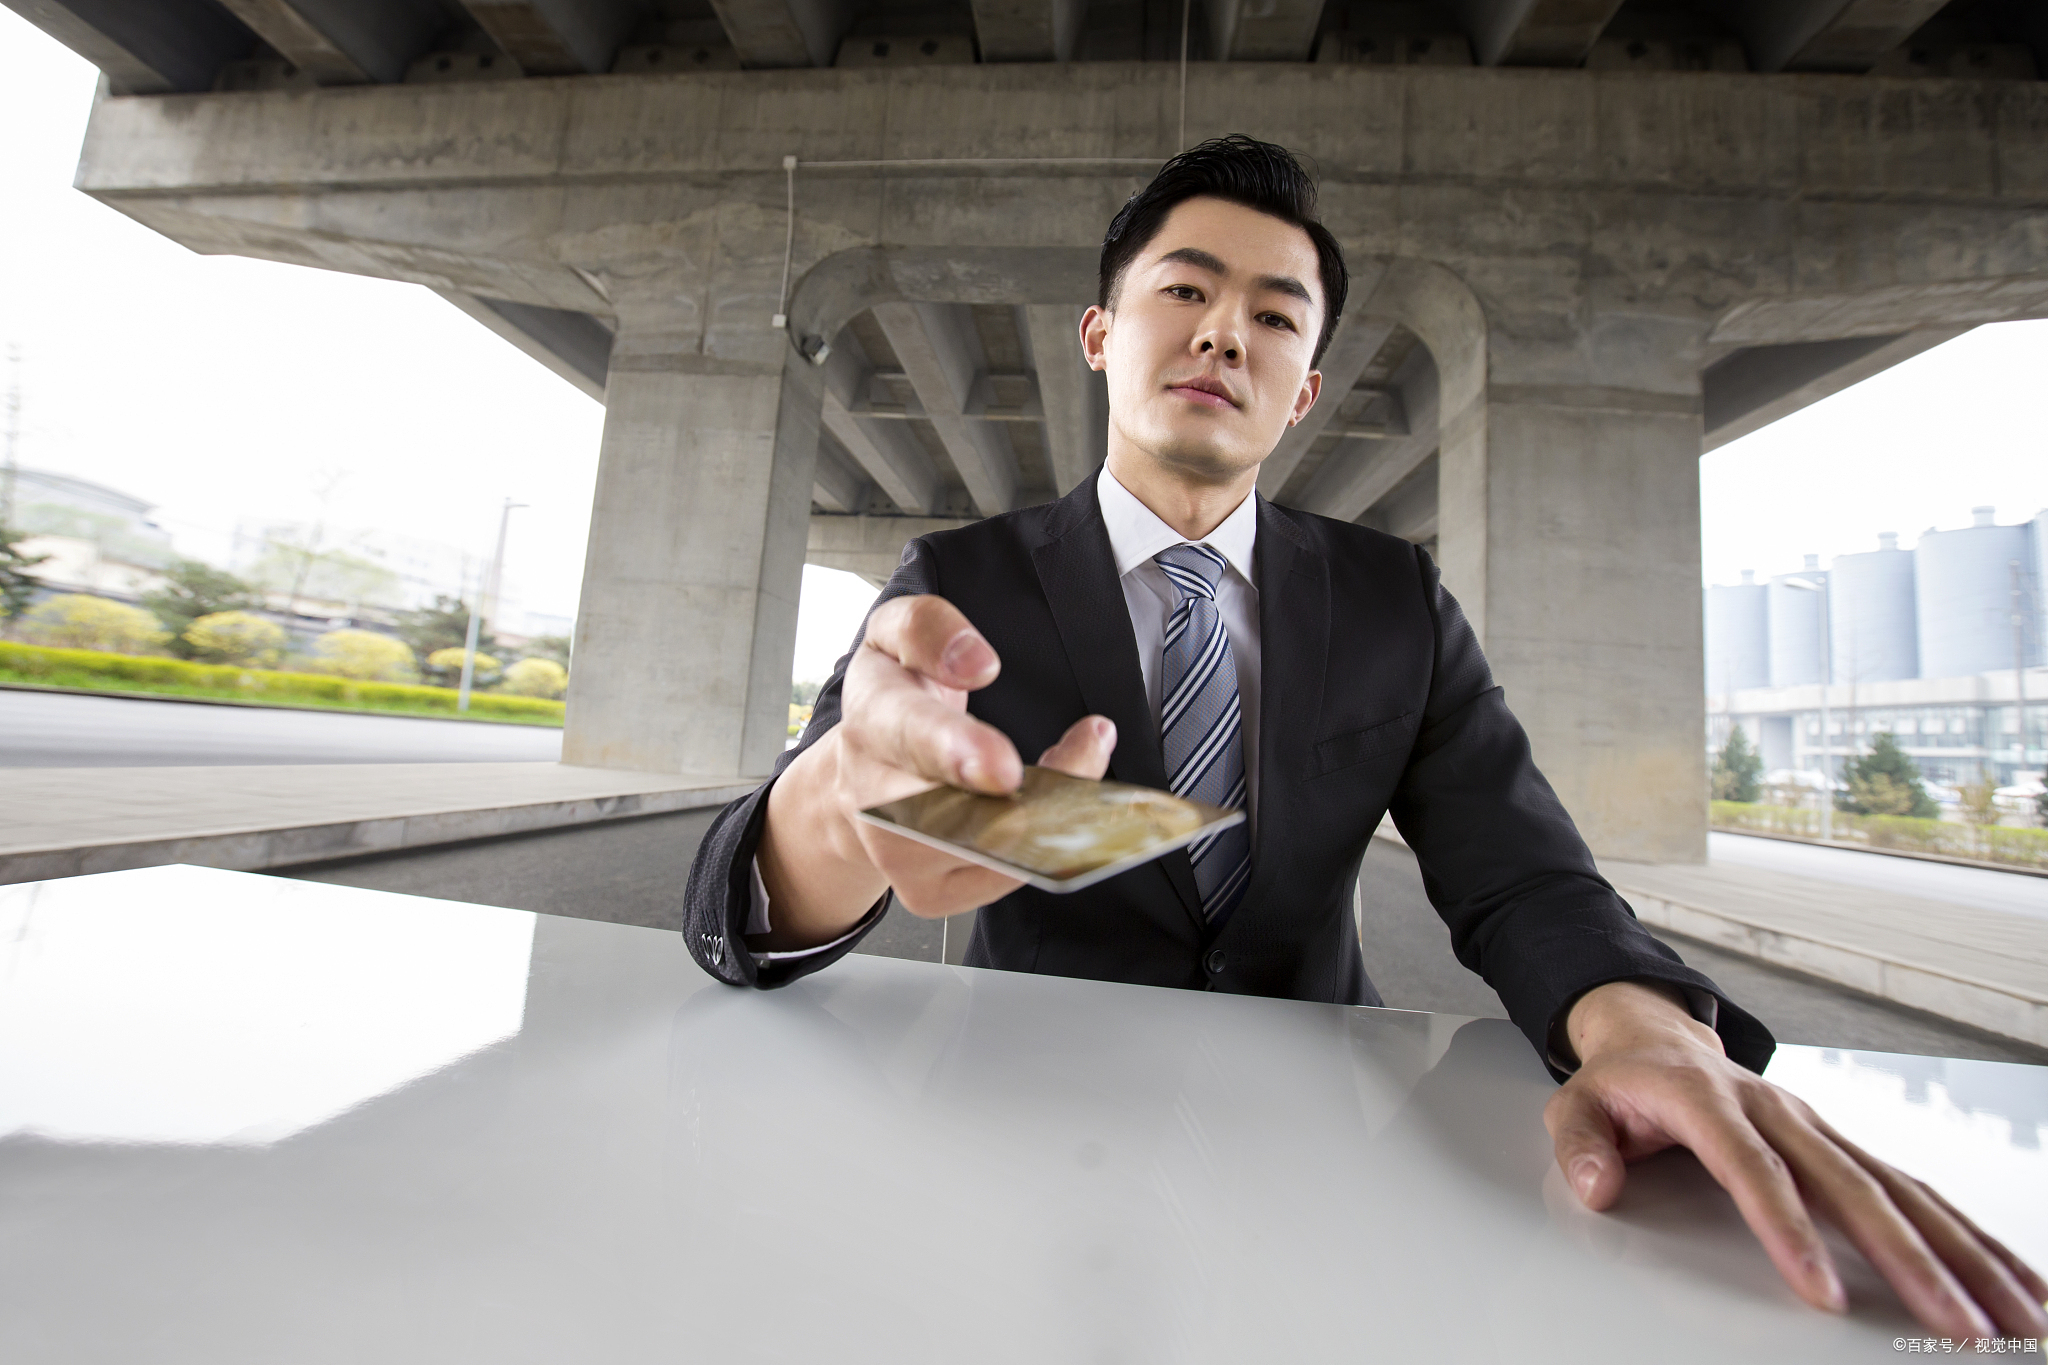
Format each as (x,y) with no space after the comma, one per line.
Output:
(1570,529)
(688,619)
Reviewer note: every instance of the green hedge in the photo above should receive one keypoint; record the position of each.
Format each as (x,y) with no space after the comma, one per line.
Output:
(1984,843)
(87,668)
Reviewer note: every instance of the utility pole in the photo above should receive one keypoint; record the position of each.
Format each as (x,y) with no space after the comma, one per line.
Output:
(2019,658)
(1827,670)
(13,436)
(476,610)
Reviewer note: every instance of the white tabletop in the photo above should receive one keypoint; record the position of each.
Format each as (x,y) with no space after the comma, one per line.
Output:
(245,1119)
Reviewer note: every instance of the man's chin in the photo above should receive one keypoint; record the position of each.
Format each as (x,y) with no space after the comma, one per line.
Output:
(1202,461)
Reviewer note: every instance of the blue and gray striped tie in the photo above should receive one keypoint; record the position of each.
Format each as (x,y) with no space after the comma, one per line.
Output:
(1200,724)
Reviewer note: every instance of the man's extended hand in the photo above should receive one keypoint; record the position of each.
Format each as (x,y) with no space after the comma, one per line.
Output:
(903,726)
(1651,1077)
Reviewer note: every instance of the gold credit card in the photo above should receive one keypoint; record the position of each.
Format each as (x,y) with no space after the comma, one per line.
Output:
(1057,833)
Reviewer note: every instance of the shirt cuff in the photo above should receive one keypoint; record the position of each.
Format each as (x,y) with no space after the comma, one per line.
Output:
(1704,1007)
(759,923)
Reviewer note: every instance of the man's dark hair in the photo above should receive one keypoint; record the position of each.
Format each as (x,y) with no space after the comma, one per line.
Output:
(1242,170)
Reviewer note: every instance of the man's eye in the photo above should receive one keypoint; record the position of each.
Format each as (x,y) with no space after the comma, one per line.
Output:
(1279,320)
(1185,292)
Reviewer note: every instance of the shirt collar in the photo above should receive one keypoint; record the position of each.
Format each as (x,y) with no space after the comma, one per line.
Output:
(1136,533)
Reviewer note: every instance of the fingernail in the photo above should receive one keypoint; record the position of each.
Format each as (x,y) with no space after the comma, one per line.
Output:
(1585,1174)
(1105,728)
(967,656)
(1831,1290)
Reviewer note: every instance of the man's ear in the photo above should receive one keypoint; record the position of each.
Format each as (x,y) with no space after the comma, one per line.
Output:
(1306,399)
(1094,333)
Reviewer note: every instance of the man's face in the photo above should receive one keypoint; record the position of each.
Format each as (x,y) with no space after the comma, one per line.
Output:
(1208,349)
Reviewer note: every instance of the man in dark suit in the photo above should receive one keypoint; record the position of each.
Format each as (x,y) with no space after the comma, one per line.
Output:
(1164,624)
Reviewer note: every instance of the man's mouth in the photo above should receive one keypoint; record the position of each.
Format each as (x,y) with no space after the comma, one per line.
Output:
(1203,390)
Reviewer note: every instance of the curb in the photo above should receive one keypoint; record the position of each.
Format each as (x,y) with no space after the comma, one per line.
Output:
(257,849)
(2008,1011)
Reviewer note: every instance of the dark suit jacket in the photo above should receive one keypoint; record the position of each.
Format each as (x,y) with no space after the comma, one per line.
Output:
(1374,697)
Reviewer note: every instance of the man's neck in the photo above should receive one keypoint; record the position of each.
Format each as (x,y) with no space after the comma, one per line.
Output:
(1193,509)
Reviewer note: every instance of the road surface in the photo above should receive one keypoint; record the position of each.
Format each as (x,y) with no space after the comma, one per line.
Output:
(2015,893)
(68,730)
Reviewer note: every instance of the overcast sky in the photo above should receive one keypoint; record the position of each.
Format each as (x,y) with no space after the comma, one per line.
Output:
(223,388)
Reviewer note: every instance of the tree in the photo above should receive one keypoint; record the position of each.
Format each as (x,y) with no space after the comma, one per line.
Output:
(804,693)
(444,625)
(236,637)
(445,666)
(76,621)
(1886,781)
(363,655)
(536,678)
(17,584)
(192,590)
(1979,802)
(1737,770)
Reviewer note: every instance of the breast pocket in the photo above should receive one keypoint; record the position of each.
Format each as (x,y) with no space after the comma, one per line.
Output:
(1359,746)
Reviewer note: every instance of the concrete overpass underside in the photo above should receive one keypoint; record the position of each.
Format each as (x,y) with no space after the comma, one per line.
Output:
(1589,242)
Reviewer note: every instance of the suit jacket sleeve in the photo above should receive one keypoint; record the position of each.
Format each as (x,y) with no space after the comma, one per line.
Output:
(717,898)
(1506,868)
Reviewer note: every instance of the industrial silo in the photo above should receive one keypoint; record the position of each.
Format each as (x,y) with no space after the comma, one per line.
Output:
(1877,638)
(1738,636)
(1964,582)
(1796,621)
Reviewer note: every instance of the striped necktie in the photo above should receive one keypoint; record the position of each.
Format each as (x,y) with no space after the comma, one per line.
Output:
(1200,724)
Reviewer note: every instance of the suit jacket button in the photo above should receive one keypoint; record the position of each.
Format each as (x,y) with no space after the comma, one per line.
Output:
(1214,962)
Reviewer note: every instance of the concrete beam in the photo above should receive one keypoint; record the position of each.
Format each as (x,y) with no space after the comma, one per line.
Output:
(869,546)
(557,37)
(887,451)
(1075,398)
(344,42)
(1264,30)
(1826,35)
(1357,340)
(1757,385)
(1349,483)
(769,33)
(575,346)
(839,484)
(1410,511)
(1534,32)
(145,47)
(1027,30)
(942,359)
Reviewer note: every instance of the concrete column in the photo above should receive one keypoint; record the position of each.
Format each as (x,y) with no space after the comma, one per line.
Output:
(688,619)
(1569,530)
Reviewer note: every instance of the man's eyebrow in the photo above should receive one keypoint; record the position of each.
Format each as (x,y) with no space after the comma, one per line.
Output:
(1202,260)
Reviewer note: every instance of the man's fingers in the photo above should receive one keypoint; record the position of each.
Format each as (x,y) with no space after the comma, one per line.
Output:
(1760,1181)
(1998,1281)
(906,727)
(1856,1201)
(1587,1153)
(931,637)
(1084,750)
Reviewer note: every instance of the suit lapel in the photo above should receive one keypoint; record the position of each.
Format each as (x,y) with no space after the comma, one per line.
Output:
(1294,644)
(1077,572)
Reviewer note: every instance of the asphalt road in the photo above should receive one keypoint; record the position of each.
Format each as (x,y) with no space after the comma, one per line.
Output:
(632,872)
(2015,893)
(68,730)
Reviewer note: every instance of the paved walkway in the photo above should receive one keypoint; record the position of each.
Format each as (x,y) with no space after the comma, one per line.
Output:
(59,822)
(1983,967)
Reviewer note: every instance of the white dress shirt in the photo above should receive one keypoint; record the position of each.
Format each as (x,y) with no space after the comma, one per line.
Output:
(1136,534)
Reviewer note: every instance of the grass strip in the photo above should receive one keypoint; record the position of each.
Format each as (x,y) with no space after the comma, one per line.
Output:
(81,670)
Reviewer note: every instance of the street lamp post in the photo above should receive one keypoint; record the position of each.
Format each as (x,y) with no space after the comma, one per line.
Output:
(476,608)
(1827,671)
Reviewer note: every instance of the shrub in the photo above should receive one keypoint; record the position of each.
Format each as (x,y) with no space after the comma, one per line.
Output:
(363,655)
(1981,843)
(536,678)
(76,621)
(445,665)
(236,637)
